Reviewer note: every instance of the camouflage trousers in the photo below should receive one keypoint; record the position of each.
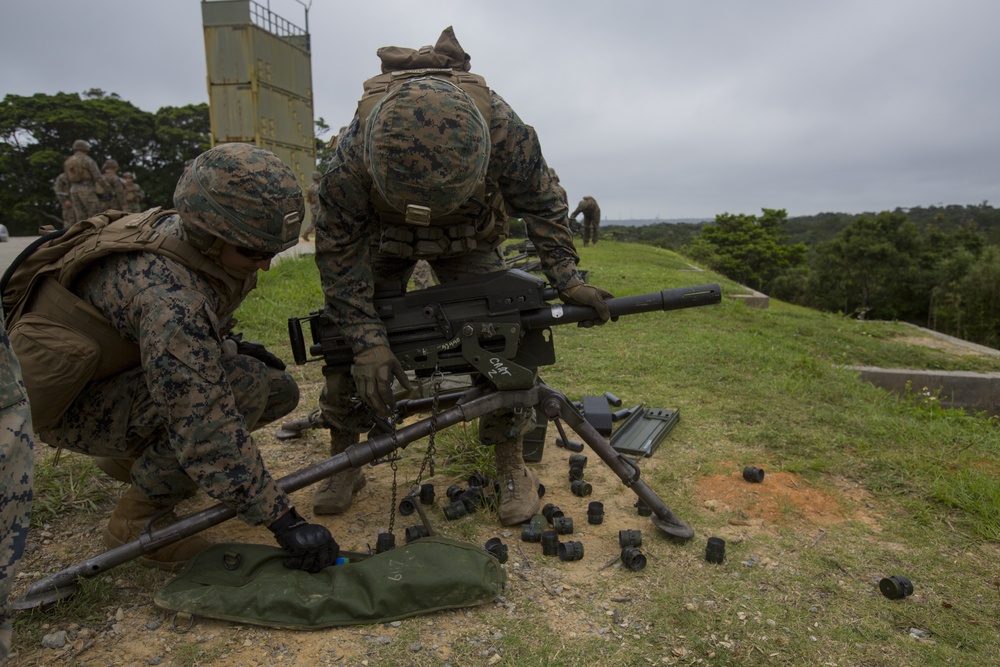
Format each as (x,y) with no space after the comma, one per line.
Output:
(423,276)
(589,232)
(97,424)
(69,216)
(335,398)
(85,201)
(17,443)
(315,215)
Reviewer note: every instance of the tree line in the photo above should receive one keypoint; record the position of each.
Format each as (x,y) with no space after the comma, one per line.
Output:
(931,269)
(38,131)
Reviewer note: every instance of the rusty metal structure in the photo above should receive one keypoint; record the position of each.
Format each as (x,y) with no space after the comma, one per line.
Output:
(260,81)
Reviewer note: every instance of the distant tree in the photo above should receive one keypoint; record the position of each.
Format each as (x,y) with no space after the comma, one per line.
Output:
(747,249)
(37,133)
(872,266)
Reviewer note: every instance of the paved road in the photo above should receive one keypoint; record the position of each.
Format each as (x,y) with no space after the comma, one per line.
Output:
(12,248)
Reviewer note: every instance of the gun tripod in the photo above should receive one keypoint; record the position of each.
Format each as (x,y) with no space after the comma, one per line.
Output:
(468,406)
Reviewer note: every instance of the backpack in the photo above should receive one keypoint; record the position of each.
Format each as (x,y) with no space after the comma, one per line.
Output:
(62,341)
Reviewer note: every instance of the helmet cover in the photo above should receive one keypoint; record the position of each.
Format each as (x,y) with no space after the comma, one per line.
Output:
(244,195)
(427,144)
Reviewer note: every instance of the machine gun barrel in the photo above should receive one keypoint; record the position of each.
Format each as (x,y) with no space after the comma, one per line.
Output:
(668,299)
(496,324)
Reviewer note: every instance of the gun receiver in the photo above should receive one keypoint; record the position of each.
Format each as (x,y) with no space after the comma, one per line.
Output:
(498,324)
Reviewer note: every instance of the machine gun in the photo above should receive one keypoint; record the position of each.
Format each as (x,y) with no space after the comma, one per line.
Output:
(497,324)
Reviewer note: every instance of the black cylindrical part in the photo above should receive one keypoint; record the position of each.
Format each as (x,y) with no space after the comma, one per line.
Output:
(454,491)
(896,587)
(715,550)
(416,532)
(581,488)
(643,508)
(595,513)
(563,524)
(577,460)
(629,538)
(427,494)
(455,510)
(496,547)
(570,550)
(530,533)
(551,511)
(612,399)
(550,542)
(751,474)
(633,559)
(571,445)
(385,542)
(407,506)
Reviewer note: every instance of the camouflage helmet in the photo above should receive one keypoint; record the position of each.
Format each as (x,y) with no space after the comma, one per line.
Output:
(110,164)
(242,194)
(317,175)
(427,144)
(81,145)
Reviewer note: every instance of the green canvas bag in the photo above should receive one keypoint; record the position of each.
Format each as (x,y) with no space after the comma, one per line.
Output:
(248,583)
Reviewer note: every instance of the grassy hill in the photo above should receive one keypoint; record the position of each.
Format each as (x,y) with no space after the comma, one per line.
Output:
(859,485)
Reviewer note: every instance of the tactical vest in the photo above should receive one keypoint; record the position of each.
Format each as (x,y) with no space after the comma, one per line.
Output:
(479,224)
(62,341)
(76,170)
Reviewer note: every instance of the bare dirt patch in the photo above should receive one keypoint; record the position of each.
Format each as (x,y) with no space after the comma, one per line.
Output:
(574,599)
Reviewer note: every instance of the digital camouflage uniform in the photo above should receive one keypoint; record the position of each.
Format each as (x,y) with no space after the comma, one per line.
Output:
(172,390)
(352,257)
(187,412)
(134,195)
(115,196)
(574,226)
(86,181)
(16,465)
(591,218)
(423,275)
(315,210)
(61,188)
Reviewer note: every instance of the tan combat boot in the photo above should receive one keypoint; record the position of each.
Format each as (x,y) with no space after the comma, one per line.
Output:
(335,493)
(518,486)
(127,522)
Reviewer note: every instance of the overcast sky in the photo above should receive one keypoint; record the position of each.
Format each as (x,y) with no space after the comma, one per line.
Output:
(658,108)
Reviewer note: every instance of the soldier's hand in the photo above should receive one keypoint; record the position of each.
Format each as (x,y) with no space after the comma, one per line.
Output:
(310,546)
(373,371)
(588,295)
(258,351)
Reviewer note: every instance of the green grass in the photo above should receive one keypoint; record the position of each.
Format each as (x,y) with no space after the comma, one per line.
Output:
(763,387)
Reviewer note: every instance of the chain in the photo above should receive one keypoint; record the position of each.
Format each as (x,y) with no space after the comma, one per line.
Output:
(394,466)
(428,461)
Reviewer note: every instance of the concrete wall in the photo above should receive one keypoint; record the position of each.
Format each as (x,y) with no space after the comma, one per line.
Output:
(976,392)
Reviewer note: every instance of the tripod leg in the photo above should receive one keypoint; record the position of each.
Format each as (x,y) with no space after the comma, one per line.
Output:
(554,404)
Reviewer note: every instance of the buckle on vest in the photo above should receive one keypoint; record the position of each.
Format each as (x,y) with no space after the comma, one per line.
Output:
(418,215)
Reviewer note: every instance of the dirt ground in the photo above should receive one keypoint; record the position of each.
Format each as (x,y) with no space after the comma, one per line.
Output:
(137,632)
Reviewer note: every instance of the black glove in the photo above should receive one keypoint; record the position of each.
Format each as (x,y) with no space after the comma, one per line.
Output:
(258,351)
(310,545)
